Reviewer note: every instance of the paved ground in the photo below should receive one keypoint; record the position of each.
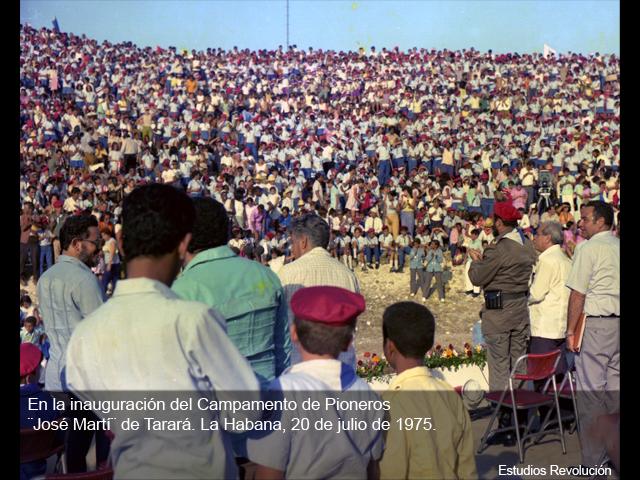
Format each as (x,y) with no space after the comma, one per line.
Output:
(545,454)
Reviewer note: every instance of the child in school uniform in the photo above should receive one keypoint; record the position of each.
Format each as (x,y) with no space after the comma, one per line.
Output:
(444,447)
(324,322)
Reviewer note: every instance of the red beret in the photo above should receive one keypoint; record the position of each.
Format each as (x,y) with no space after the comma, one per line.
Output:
(506,211)
(331,306)
(30,357)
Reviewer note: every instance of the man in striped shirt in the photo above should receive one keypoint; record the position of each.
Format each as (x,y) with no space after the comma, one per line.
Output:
(314,266)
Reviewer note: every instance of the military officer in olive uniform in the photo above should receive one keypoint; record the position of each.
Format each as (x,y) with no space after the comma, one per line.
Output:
(505,267)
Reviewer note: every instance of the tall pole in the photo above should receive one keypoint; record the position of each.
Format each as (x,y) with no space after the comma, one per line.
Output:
(287,24)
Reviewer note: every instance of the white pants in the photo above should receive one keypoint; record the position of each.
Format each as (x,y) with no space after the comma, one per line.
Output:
(467,281)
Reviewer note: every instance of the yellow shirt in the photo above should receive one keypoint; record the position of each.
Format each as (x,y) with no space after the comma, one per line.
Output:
(447,157)
(445,451)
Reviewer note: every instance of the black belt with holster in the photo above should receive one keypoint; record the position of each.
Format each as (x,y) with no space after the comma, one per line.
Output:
(493,299)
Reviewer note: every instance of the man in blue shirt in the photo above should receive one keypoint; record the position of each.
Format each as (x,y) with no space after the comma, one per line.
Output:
(434,260)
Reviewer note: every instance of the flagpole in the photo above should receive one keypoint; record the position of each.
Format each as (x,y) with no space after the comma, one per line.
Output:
(287,24)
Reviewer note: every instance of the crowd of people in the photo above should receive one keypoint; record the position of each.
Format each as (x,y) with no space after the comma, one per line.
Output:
(321,164)
(367,139)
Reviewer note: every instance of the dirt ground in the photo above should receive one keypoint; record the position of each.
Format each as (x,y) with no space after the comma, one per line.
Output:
(454,318)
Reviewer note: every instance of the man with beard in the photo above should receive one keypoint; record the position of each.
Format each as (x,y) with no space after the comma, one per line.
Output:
(68,292)
(504,270)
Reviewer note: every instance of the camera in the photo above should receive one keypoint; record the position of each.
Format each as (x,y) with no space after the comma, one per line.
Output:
(545,181)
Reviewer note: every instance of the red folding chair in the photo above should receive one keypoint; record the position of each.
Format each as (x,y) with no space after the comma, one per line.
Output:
(539,367)
(40,445)
(566,390)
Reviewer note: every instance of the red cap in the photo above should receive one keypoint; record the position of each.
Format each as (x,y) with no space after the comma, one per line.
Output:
(58,204)
(506,211)
(333,306)
(30,357)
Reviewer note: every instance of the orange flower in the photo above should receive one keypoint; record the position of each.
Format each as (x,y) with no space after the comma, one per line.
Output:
(375,358)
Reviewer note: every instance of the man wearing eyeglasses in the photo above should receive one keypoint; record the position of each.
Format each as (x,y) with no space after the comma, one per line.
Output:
(594,281)
(67,293)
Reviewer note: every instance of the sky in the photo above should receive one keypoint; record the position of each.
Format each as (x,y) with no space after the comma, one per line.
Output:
(518,26)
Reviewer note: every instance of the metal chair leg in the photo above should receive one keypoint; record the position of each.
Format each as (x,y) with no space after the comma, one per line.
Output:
(496,410)
(555,396)
(575,404)
(485,437)
(516,426)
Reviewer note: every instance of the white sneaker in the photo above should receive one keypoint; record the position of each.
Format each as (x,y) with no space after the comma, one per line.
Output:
(442,300)
(413,295)
(424,299)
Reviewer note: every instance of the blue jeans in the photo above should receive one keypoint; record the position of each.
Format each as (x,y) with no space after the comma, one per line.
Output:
(407,219)
(254,150)
(384,172)
(411,164)
(111,276)
(46,253)
(398,162)
(447,169)
(369,252)
(402,251)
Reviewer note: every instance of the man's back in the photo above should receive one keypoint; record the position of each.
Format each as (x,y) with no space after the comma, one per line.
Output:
(146,341)
(442,450)
(251,299)
(67,293)
(316,268)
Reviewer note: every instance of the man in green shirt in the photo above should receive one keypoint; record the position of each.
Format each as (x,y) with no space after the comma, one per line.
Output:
(248,294)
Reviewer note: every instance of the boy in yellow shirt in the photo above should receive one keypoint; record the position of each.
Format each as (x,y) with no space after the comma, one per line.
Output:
(430,435)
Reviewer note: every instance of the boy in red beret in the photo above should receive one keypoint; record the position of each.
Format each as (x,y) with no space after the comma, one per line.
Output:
(324,322)
(30,391)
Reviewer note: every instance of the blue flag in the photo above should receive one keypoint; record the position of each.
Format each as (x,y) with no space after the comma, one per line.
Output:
(56,27)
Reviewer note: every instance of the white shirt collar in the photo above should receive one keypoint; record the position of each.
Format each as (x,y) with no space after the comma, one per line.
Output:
(551,250)
(602,234)
(135,286)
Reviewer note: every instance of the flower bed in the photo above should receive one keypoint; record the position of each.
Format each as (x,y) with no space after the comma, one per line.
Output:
(373,367)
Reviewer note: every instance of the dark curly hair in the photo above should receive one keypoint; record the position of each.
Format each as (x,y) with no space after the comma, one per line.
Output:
(211,227)
(155,218)
(76,226)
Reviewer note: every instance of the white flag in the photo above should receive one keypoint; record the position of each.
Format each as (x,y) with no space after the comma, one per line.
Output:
(548,50)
